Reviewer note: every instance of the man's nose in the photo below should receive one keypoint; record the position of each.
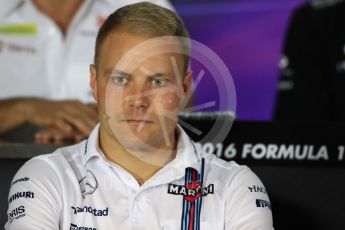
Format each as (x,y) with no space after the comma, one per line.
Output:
(139,98)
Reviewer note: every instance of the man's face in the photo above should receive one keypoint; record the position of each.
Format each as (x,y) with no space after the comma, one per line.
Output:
(140,89)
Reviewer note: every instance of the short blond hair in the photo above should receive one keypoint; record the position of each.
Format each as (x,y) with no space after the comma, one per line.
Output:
(145,19)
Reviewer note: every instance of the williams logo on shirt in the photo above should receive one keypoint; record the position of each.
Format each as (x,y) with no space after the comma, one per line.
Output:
(192,192)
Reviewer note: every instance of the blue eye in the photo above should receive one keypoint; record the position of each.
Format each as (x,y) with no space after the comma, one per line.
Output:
(159,82)
(119,80)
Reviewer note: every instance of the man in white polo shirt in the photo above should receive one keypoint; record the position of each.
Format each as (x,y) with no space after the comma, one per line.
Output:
(45,48)
(138,169)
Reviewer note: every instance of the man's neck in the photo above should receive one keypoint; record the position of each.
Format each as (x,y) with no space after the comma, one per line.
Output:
(142,164)
(60,11)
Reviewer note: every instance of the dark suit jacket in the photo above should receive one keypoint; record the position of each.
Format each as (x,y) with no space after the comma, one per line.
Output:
(312,82)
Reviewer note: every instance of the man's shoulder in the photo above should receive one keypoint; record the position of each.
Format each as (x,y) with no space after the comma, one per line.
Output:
(218,163)
(53,165)
(68,154)
(229,171)
(230,168)
(43,185)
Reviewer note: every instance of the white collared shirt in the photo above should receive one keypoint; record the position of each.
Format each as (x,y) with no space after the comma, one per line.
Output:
(37,60)
(76,187)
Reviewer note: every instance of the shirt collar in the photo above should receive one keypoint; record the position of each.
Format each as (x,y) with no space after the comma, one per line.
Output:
(91,148)
(187,153)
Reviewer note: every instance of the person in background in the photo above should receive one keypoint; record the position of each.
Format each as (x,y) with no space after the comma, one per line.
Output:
(45,47)
(312,79)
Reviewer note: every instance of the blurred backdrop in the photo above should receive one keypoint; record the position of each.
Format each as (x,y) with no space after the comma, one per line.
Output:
(248,35)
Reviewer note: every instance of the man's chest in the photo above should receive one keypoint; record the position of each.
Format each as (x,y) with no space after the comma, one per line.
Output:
(107,202)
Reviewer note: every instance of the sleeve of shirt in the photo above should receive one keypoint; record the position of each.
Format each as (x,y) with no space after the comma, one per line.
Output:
(247,204)
(33,198)
(303,86)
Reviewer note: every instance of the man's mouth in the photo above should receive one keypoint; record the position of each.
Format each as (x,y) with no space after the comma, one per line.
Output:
(138,121)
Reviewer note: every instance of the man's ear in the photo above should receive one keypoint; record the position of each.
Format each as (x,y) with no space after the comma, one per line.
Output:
(93,80)
(187,82)
(187,88)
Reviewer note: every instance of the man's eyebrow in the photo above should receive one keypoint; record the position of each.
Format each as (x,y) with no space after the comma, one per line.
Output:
(109,72)
(157,75)
(152,74)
